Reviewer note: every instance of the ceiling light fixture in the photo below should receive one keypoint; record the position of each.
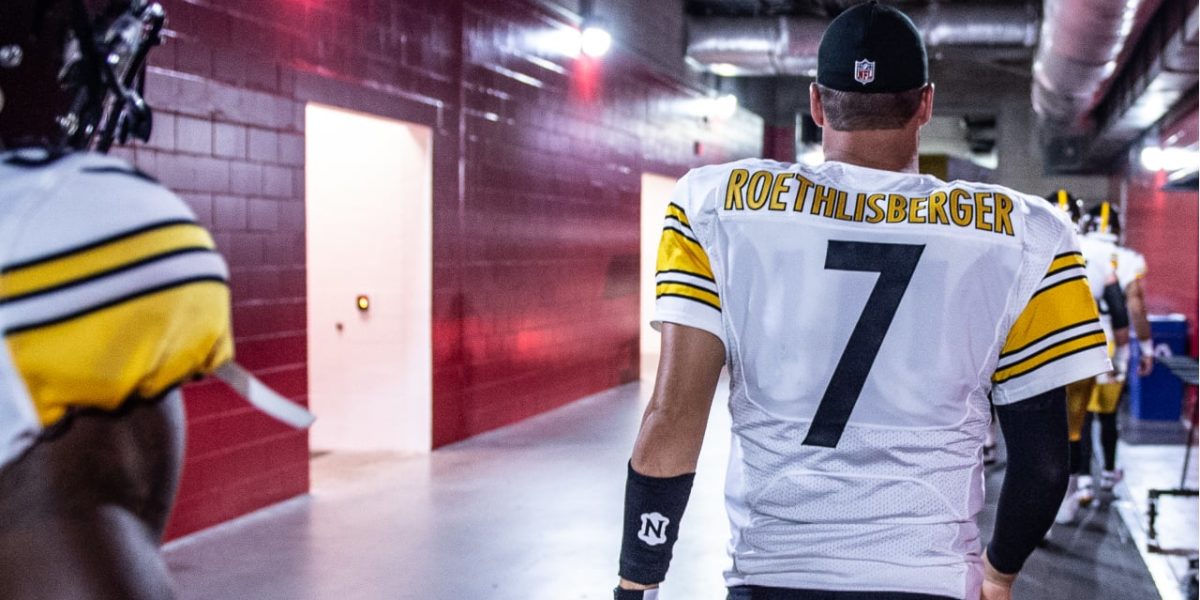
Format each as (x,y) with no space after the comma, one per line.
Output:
(595,40)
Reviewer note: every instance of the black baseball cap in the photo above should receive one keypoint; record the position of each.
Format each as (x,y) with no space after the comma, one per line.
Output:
(872,48)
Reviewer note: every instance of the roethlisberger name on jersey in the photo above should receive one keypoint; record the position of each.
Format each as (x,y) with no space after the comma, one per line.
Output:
(793,192)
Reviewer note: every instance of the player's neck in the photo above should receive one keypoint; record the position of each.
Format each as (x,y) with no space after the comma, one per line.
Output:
(887,149)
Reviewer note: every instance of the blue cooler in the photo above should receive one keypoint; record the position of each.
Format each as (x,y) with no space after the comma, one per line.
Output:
(1158,396)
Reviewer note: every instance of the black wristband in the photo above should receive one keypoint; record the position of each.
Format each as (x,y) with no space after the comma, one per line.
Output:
(653,508)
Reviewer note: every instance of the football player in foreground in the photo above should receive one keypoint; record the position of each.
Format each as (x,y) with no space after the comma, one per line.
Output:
(865,312)
(111,296)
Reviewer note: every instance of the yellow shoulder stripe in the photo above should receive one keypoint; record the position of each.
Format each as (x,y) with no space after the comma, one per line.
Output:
(1052,309)
(97,260)
(677,252)
(1072,259)
(674,210)
(140,348)
(1095,339)
(683,290)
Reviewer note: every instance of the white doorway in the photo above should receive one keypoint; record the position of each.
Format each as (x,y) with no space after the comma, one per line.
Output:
(656,194)
(369,242)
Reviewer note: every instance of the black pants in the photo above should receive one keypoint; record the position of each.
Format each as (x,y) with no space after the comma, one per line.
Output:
(754,592)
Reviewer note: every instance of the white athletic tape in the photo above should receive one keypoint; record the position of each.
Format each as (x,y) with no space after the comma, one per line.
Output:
(264,398)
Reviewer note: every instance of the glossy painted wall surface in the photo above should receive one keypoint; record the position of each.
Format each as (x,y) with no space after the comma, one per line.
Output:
(1164,226)
(537,159)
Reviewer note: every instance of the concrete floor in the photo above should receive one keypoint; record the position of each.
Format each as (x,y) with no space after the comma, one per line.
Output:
(532,512)
(1150,466)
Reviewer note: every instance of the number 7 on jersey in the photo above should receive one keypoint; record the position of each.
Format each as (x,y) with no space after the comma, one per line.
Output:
(895,264)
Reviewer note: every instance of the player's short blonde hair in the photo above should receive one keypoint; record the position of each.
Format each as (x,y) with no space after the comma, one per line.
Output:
(856,111)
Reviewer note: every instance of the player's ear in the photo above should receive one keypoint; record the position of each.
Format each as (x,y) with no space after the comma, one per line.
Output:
(814,105)
(925,108)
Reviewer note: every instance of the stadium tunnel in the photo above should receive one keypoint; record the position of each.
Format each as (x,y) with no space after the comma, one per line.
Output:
(440,218)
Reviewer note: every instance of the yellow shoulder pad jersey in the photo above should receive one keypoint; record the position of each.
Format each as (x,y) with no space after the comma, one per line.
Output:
(109,289)
(867,316)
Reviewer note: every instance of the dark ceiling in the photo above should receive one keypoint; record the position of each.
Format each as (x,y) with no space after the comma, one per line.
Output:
(823,8)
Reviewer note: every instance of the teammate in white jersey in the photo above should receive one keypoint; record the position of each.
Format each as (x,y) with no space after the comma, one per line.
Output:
(1103,224)
(111,295)
(1100,256)
(865,314)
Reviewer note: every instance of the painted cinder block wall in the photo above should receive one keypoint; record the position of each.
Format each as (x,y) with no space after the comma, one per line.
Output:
(1165,227)
(537,165)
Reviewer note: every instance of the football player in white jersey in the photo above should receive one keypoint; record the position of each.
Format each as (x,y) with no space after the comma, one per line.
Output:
(1102,223)
(865,313)
(1100,255)
(111,295)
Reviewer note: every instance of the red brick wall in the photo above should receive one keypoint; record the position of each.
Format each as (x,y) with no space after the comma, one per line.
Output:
(1164,227)
(536,200)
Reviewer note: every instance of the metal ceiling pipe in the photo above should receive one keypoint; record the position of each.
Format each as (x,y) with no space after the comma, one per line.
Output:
(788,45)
(1081,40)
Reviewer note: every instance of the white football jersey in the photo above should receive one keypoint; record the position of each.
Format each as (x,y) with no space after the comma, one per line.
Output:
(1102,257)
(109,290)
(1131,266)
(867,315)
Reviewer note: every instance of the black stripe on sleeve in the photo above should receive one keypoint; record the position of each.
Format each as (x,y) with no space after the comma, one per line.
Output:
(106,273)
(697,300)
(688,285)
(681,271)
(1061,269)
(96,244)
(681,223)
(1051,334)
(1056,344)
(114,302)
(684,237)
(1056,284)
(1054,360)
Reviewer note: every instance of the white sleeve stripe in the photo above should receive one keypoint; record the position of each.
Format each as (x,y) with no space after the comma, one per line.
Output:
(680,228)
(1054,339)
(1052,361)
(1061,276)
(1069,368)
(79,300)
(672,220)
(686,279)
(683,272)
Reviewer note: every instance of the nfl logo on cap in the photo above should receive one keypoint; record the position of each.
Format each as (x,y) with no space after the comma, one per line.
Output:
(864,71)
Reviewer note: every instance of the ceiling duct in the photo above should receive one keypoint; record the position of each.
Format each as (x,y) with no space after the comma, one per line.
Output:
(1081,41)
(1161,72)
(1157,74)
(788,45)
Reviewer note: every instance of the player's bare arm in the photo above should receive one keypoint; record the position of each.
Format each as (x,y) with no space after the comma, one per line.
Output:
(668,444)
(1135,301)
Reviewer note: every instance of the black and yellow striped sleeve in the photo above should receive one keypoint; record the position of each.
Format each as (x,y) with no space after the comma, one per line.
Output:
(1057,338)
(130,314)
(685,288)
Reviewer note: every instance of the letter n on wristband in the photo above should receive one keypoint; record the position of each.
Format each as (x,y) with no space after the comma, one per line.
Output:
(653,509)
